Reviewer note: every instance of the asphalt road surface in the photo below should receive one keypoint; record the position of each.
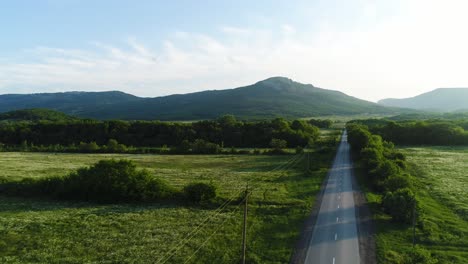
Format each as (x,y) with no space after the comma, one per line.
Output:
(335,237)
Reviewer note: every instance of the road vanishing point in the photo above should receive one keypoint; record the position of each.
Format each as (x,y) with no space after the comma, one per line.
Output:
(335,237)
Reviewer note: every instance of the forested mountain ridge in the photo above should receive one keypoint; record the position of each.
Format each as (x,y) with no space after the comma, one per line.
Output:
(442,99)
(273,97)
(36,114)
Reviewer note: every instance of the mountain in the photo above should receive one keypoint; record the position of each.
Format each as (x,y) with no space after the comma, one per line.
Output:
(37,114)
(277,96)
(441,100)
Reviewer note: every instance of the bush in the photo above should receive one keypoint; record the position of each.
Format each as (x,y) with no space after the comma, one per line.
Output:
(199,192)
(278,144)
(88,147)
(399,205)
(420,255)
(201,146)
(105,181)
(114,146)
(396,182)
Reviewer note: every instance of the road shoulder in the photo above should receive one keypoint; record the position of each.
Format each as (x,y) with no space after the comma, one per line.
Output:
(365,225)
(300,250)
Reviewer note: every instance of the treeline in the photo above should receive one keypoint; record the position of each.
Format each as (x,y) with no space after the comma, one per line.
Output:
(385,171)
(428,132)
(321,123)
(199,146)
(226,132)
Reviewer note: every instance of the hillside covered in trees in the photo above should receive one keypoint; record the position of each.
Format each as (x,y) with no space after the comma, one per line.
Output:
(37,114)
(269,98)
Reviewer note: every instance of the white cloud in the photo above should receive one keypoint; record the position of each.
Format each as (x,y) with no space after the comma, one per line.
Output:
(421,47)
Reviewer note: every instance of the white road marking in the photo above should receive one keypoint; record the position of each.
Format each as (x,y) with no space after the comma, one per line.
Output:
(337,219)
(339,196)
(338,206)
(333,260)
(336,235)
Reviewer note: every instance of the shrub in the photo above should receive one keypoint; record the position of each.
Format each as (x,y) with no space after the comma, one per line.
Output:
(199,192)
(105,181)
(114,146)
(201,146)
(278,144)
(88,147)
(420,255)
(396,182)
(399,204)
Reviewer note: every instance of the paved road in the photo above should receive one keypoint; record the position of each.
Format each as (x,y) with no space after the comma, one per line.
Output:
(335,238)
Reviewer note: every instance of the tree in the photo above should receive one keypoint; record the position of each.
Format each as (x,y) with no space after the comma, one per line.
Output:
(400,204)
(278,144)
(111,181)
(227,121)
(201,146)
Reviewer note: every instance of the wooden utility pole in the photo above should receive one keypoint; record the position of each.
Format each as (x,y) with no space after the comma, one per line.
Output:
(244,229)
(414,221)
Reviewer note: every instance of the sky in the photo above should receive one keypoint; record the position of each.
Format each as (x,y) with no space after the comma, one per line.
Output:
(370,49)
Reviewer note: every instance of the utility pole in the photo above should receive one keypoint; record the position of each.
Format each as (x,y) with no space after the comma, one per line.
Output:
(244,229)
(414,221)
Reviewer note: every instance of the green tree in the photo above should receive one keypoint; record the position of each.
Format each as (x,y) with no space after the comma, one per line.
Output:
(112,181)
(278,144)
(399,204)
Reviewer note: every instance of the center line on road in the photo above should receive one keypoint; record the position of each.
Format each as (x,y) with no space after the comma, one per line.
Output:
(338,206)
(333,260)
(337,219)
(336,235)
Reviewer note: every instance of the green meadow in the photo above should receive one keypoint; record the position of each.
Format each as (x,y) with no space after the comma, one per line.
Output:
(49,231)
(441,183)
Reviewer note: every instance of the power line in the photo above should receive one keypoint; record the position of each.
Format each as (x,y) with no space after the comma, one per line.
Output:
(195,231)
(172,252)
(212,234)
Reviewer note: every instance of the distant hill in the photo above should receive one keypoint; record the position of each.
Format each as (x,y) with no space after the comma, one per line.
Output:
(277,96)
(37,114)
(441,100)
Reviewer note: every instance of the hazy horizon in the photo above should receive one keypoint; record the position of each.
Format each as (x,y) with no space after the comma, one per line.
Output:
(371,50)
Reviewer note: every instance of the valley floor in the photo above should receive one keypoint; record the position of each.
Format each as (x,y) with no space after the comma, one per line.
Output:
(46,231)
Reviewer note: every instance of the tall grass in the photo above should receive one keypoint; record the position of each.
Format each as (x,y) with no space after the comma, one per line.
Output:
(443,228)
(45,231)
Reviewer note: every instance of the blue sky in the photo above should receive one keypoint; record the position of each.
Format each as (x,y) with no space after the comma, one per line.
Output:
(370,49)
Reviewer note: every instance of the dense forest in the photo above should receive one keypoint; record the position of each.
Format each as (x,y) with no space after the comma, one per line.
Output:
(420,132)
(385,172)
(225,132)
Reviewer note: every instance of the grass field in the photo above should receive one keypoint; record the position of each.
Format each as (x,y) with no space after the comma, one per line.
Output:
(444,170)
(441,184)
(45,231)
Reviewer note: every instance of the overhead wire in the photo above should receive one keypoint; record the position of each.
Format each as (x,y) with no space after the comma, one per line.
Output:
(291,162)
